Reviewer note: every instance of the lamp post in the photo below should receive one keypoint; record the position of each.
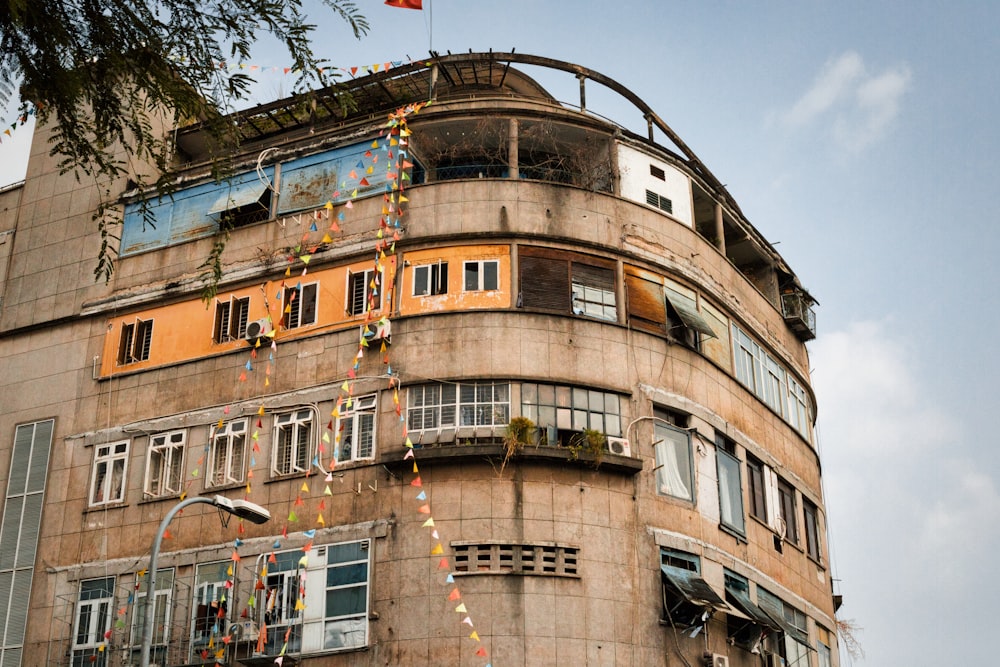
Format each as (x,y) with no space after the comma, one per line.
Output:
(243,509)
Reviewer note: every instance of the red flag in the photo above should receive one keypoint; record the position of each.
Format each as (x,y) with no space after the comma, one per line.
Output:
(406,4)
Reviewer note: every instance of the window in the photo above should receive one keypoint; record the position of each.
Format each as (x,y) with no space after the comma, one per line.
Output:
(355,434)
(526,559)
(771,382)
(748,628)
(242,207)
(564,411)
(684,322)
(672,449)
(19,529)
(730,485)
(299,305)
(659,201)
(795,647)
(231,319)
(823,647)
(688,600)
(786,499)
(161,615)
(363,292)
(437,406)
(292,441)
(567,282)
(107,484)
(481,275)
(209,623)
(334,612)
(756,489)
(811,515)
(135,342)
(165,465)
(657,172)
(94,615)
(228,453)
(430,279)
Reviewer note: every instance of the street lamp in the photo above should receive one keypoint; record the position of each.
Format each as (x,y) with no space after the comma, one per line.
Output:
(244,509)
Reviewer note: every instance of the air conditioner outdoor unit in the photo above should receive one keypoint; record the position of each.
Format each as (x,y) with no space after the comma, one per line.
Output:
(244,631)
(256,330)
(619,446)
(378,330)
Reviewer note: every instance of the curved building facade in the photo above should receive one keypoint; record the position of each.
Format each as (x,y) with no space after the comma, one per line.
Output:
(517,385)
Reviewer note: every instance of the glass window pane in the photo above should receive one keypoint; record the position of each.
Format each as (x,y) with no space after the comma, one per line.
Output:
(546,394)
(346,601)
(546,416)
(346,633)
(564,418)
(580,399)
(563,397)
(612,425)
(529,394)
(347,574)
(579,420)
(491,279)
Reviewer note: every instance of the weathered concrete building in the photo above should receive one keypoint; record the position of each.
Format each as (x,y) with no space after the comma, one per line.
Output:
(517,385)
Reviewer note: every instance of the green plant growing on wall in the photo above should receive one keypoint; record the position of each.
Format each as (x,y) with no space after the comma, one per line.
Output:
(590,442)
(520,432)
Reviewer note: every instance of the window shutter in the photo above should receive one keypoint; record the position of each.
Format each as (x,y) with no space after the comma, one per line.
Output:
(646,306)
(594,276)
(545,283)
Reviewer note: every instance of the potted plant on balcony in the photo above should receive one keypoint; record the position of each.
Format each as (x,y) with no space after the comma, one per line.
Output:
(520,432)
(590,442)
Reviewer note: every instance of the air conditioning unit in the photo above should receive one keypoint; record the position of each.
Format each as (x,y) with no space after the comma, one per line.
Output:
(244,631)
(619,446)
(257,330)
(379,330)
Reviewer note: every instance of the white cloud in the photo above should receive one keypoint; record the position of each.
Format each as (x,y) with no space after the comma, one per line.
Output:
(914,515)
(858,106)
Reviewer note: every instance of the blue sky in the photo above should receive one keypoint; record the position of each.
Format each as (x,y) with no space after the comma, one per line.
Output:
(862,138)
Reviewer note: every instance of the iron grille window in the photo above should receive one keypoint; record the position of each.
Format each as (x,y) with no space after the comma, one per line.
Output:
(292,441)
(299,305)
(228,454)
(231,319)
(453,405)
(364,292)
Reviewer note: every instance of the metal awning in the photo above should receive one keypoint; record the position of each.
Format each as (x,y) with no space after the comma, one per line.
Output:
(786,627)
(687,310)
(693,589)
(239,196)
(741,602)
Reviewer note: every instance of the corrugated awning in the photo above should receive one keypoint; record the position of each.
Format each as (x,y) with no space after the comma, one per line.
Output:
(239,196)
(693,589)
(687,310)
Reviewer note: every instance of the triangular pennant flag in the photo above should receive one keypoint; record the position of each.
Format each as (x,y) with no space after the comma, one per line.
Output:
(429,523)
(474,635)
(481,652)
(461,608)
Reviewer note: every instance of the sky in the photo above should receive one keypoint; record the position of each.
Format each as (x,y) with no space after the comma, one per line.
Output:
(861,138)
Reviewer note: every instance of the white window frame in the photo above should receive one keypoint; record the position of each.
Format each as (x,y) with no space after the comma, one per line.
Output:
(227,327)
(434,280)
(299,425)
(674,462)
(210,586)
(87,641)
(359,414)
(319,629)
(293,315)
(109,474)
(449,405)
(368,275)
(227,437)
(165,464)
(135,341)
(477,282)
(162,607)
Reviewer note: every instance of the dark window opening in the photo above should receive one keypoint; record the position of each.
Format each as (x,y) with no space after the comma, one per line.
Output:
(656,172)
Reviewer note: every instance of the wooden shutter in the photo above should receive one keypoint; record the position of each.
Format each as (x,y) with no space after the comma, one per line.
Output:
(646,306)
(545,282)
